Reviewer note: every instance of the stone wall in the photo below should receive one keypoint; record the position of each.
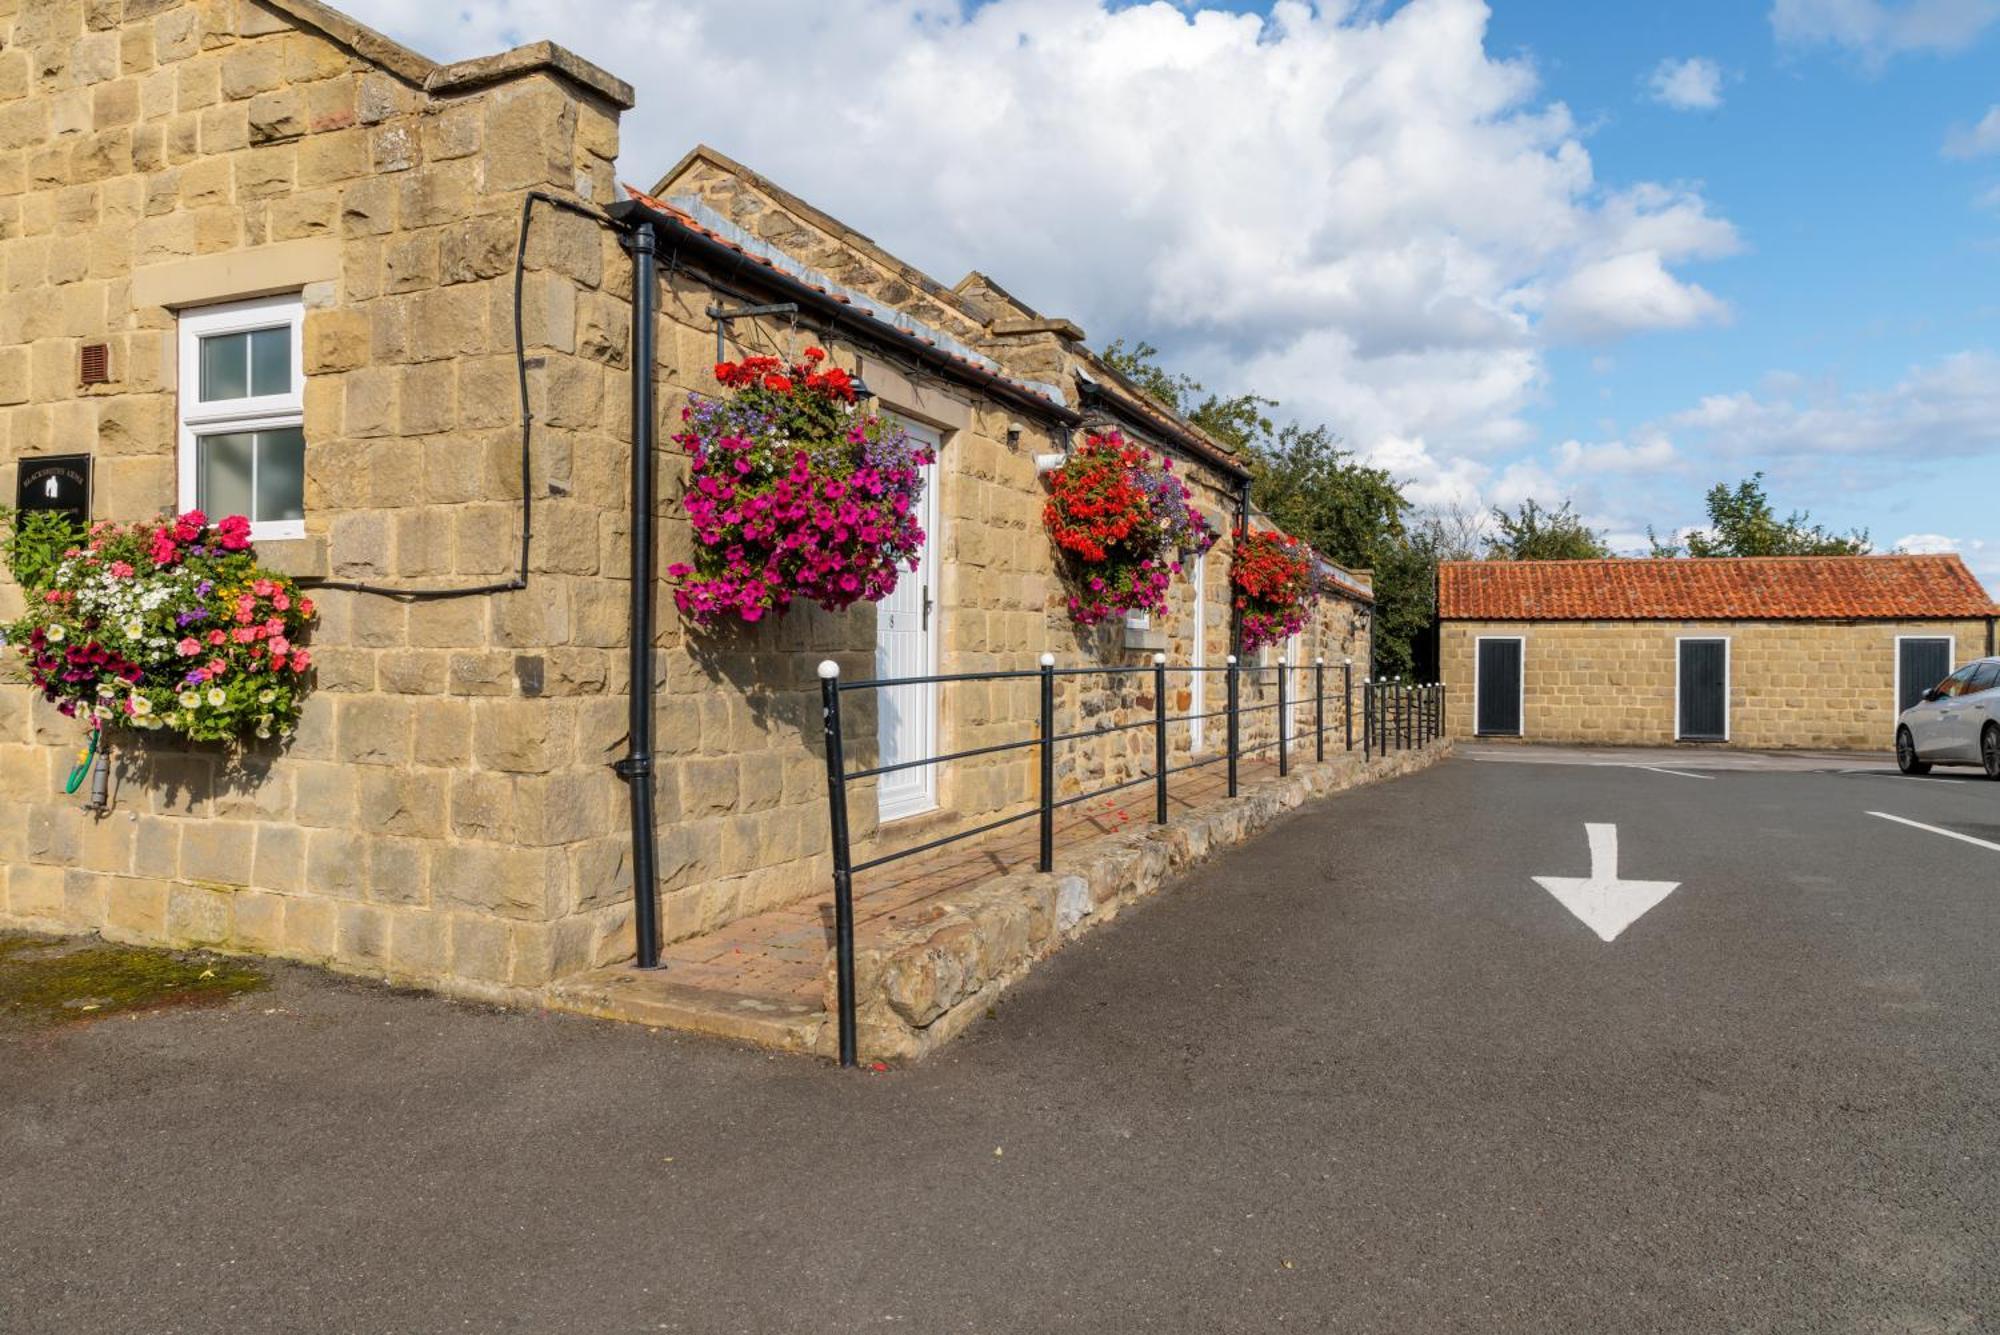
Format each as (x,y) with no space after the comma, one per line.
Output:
(1792,683)
(443,810)
(446,813)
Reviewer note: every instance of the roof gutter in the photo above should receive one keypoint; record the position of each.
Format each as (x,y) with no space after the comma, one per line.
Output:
(676,235)
(1187,441)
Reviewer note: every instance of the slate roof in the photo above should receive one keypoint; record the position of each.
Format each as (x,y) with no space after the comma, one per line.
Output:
(1760,588)
(703,221)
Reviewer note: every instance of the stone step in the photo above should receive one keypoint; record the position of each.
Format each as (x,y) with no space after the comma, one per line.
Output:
(654,997)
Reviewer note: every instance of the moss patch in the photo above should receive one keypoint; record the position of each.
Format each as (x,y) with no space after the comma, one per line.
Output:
(47,981)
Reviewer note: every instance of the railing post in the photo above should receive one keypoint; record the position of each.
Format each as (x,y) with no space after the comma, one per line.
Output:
(1436,688)
(1367,719)
(1347,699)
(843,874)
(1319,710)
(1230,676)
(1047,860)
(1284,741)
(1159,739)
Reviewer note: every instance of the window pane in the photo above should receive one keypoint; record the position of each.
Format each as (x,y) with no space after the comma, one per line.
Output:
(222,474)
(281,474)
(271,361)
(225,367)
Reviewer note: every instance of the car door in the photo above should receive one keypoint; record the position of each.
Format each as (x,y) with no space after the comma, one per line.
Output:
(1979,705)
(1944,735)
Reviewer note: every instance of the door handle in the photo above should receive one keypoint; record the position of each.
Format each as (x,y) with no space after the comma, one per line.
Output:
(927,608)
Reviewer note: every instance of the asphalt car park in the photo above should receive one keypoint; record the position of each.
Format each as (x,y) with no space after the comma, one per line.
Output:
(1437,1055)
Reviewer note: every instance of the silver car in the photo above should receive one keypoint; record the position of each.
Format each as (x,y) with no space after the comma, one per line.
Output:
(1956,722)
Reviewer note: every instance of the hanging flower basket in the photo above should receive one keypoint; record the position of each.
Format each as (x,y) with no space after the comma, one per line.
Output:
(170,625)
(793,492)
(1121,521)
(1272,579)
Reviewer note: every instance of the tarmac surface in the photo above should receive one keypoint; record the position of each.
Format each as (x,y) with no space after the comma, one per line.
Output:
(1362,1074)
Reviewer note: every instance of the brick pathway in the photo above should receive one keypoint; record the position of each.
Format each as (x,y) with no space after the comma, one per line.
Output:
(780,955)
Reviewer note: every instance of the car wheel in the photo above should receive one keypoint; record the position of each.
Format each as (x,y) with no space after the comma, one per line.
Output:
(1906,754)
(1989,750)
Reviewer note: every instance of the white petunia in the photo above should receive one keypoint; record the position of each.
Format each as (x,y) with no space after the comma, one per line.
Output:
(135,628)
(217,696)
(266,696)
(190,700)
(56,634)
(141,706)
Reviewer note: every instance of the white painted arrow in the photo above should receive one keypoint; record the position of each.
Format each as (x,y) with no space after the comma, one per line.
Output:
(1602,902)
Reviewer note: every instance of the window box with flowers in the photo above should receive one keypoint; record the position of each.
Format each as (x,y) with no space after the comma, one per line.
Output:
(794,492)
(166,626)
(1122,522)
(1272,582)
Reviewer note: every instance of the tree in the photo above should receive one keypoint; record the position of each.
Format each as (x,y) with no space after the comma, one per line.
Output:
(1536,533)
(1238,421)
(1741,522)
(1315,490)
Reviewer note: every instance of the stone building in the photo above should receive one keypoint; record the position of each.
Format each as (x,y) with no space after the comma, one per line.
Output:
(1765,652)
(438,257)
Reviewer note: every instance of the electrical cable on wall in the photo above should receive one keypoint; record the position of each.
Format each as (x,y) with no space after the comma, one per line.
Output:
(520,580)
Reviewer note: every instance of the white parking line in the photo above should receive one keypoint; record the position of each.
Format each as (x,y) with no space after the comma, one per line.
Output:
(1685,774)
(1949,834)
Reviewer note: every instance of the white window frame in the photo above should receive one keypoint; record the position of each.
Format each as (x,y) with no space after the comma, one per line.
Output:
(1896,669)
(1520,682)
(1728,682)
(266,412)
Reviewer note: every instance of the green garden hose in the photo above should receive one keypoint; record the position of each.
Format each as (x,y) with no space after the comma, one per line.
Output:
(77,775)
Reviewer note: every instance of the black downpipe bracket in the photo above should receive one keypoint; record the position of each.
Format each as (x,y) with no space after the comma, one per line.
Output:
(637,766)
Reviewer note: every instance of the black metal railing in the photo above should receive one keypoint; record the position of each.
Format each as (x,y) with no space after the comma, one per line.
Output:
(1394,716)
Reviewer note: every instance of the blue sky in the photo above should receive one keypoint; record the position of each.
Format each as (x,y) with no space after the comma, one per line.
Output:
(1867,250)
(1513,249)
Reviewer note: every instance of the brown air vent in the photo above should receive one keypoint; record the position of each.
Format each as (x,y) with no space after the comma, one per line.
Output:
(96,364)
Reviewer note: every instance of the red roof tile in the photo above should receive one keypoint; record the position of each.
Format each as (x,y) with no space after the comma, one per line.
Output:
(1788,588)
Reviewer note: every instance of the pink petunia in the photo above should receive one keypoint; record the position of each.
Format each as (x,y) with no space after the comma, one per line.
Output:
(188,647)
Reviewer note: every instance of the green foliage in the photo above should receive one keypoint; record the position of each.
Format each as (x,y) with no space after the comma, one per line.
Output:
(1537,533)
(32,544)
(1741,522)
(1238,421)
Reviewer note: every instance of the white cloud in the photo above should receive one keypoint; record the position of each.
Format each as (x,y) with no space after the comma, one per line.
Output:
(1652,452)
(1949,409)
(1351,206)
(1694,84)
(1878,29)
(1975,141)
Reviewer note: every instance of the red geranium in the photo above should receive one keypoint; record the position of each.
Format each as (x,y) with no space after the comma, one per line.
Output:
(1272,577)
(1119,519)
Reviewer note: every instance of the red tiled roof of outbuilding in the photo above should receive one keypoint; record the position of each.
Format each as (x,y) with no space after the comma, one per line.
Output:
(1760,588)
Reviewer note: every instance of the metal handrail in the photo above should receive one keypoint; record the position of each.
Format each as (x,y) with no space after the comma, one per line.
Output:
(1394,716)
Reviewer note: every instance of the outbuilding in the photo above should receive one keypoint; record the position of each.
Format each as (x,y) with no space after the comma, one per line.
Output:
(1757,652)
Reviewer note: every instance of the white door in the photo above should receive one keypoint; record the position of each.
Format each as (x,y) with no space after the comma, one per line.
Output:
(1198,657)
(1288,664)
(906,646)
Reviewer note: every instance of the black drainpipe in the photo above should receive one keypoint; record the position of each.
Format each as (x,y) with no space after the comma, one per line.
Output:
(637,766)
(1242,526)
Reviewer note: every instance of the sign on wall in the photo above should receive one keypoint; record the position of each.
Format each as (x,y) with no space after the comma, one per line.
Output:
(58,482)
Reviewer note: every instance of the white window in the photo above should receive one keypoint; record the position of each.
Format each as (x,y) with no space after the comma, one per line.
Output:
(242,406)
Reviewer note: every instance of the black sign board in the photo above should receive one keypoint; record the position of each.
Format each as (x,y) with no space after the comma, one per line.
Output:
(59,482)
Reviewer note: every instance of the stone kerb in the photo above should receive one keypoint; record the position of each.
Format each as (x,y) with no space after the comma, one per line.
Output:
(922,983)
